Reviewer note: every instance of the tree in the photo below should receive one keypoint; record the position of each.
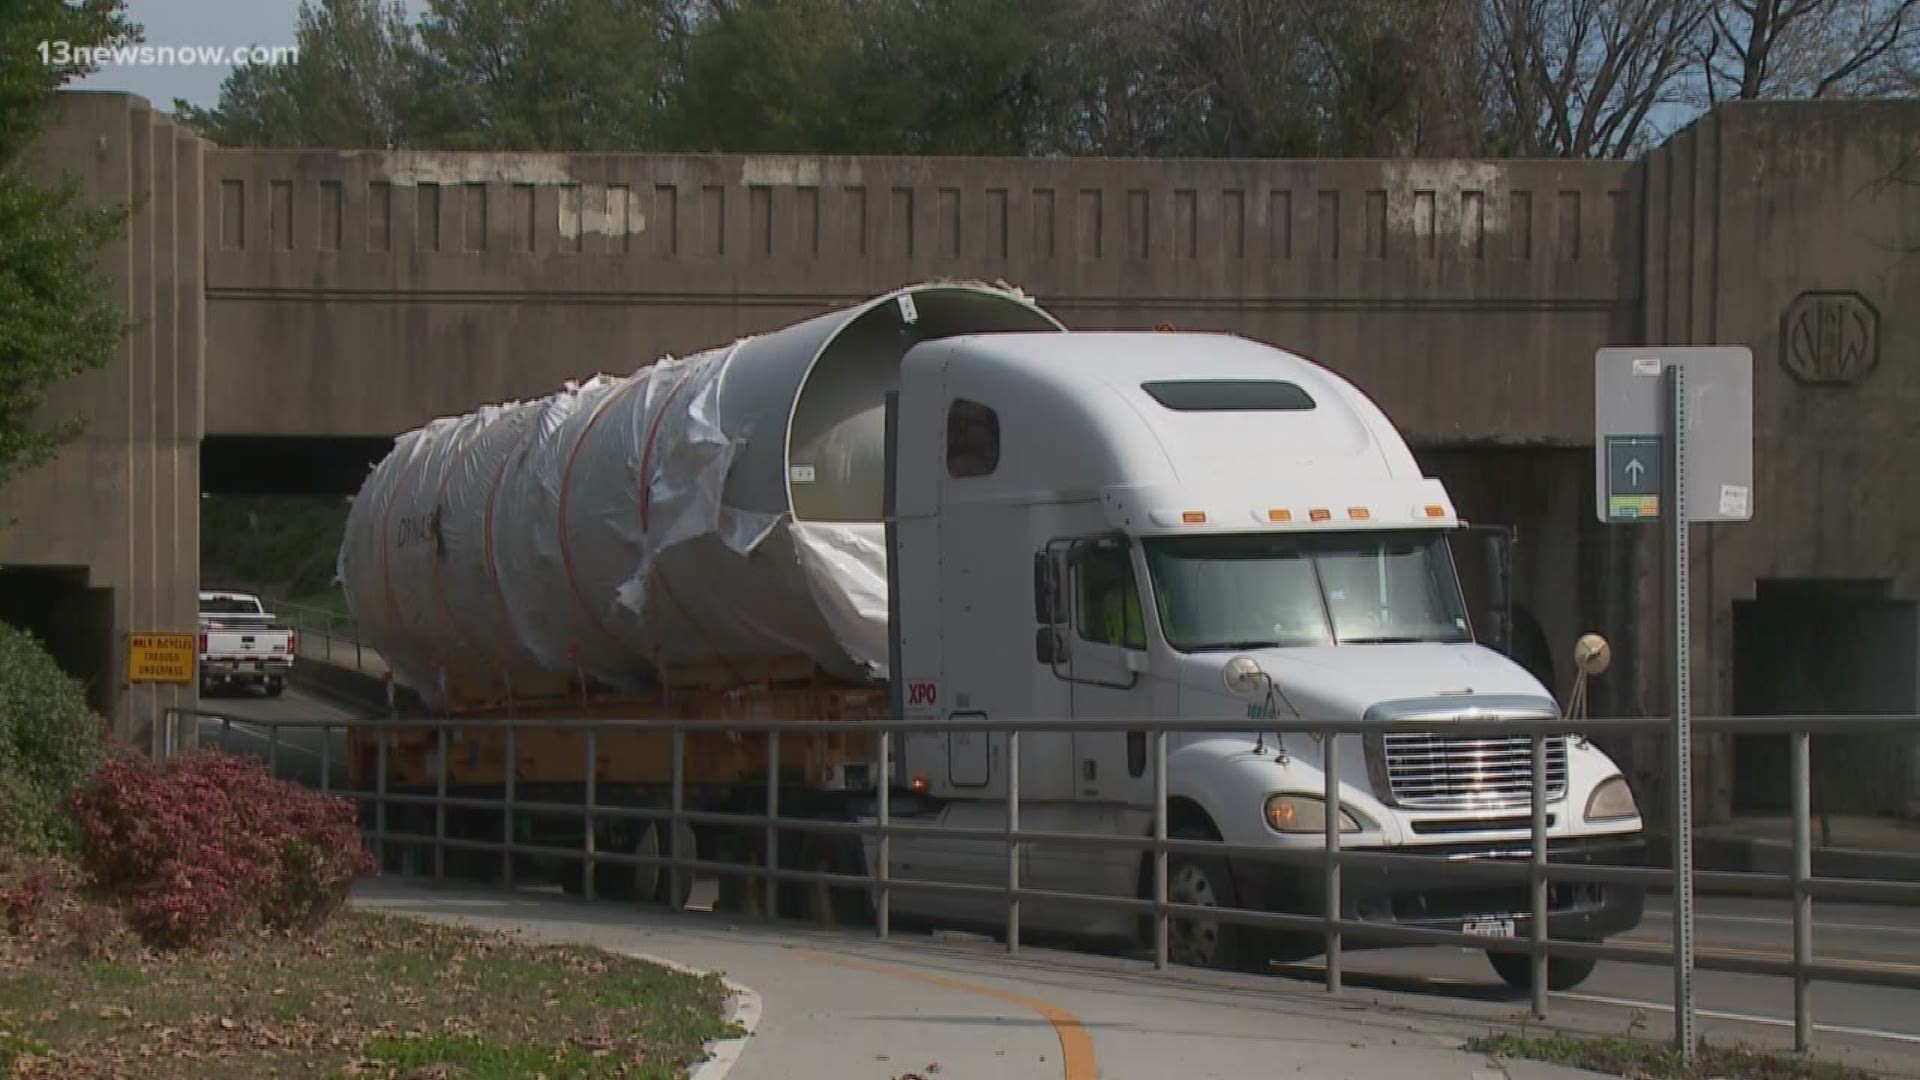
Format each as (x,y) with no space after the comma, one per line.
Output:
(545,74)
(348,84)
(1580,78)
(872,76)
(470,74)
(1809,48)
(56,320)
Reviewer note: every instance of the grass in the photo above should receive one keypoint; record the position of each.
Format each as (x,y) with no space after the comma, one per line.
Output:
(1641,1059)
(366,996)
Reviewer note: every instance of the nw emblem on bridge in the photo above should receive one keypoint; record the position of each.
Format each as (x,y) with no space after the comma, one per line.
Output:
(1830,338)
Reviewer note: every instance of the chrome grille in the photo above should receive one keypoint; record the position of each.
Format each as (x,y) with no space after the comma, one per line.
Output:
(1444,772)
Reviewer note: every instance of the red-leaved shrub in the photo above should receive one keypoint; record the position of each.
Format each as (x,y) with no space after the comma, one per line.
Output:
(208,840)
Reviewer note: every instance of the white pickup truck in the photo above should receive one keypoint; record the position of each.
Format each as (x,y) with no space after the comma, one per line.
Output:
(240,646)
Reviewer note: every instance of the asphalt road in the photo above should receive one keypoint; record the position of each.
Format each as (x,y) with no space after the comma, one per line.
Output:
(1874,1026)
(298,754)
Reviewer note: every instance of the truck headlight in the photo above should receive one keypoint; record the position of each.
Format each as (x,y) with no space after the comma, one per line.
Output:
(1303,814)
(1612,801)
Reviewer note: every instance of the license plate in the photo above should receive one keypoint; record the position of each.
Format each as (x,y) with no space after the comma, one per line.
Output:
(1489,927)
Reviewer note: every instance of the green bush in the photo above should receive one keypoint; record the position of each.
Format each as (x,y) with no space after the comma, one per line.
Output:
(49,743)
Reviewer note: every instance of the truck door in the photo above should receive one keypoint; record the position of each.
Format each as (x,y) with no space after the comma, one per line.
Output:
(1107,666)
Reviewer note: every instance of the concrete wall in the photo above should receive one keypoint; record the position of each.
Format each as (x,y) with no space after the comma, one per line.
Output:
(122,502)
(364,293)
(1794,228)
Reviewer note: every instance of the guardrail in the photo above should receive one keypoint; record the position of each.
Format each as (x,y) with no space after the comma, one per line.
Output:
(337,633)
(1538,871)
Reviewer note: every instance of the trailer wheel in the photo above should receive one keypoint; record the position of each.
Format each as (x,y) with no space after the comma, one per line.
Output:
(646,879)
(1204,882)
(1563,972)
(742,892)
(663,891)
(825,904)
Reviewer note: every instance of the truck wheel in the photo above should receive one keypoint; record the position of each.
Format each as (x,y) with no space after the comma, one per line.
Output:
(742,893)
(646,879)
(824,904)
(1563,972)
(689,849)
(1201,942)
(274,687)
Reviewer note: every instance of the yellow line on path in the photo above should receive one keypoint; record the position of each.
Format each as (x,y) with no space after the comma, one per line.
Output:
(1838,959)
(1076,1046)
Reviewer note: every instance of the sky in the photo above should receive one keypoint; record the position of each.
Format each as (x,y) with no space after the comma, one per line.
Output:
(200,25)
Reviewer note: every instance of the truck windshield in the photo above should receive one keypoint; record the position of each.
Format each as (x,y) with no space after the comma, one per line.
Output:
(1263,590)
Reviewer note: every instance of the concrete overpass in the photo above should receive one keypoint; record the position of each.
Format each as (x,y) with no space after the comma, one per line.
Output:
(305,306)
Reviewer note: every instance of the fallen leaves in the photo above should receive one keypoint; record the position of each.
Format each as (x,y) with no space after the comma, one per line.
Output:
(276,1004)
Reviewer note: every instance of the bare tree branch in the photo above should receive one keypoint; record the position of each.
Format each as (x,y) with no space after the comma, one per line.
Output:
(1806,48)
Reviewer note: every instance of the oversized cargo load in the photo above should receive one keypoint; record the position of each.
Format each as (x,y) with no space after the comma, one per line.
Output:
(718,513)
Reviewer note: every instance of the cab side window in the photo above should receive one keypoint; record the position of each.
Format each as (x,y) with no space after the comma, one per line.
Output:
(1108,598)
(973,439)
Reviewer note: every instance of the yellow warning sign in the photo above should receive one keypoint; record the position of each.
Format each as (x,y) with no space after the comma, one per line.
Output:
(160,658)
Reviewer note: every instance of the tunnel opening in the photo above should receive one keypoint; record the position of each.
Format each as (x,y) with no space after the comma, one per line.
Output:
(836,447)
(1542,496)
(288,465)
(1805,647)
(72,619)
(273,510)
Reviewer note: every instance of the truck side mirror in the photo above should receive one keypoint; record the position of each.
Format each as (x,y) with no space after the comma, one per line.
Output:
(1483,563)
(1045,589)
(1049,645)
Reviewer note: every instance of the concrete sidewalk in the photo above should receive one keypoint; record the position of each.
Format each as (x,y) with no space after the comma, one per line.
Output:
(842,1006)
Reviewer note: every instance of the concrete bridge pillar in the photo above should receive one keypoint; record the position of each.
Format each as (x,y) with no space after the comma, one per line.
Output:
(104,540)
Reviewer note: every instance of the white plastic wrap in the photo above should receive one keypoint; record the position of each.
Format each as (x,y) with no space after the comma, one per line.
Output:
(607,530)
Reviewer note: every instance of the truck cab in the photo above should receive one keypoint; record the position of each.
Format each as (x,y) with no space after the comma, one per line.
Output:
(1096,526)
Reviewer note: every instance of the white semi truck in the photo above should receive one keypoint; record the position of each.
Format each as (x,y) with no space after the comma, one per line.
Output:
(1088,525)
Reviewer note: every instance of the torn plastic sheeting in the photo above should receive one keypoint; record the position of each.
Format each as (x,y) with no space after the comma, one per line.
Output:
(638,466)
(591,532)
(853,557)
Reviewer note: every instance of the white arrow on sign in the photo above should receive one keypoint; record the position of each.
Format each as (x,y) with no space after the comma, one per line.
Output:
(1634,469)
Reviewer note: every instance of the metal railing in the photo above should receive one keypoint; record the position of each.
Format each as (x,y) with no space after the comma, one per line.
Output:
(1537,870)
(336,634)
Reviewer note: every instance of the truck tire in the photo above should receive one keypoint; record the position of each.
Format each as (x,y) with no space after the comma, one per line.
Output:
(689,849)
(741,893)
(824,904)
(1205,882)
(646,879)
(275,686)
(1563,972)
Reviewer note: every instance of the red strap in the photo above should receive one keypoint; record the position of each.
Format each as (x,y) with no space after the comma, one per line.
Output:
(439,501)
(566,487)
(386,544)
(646,449)
(493,567)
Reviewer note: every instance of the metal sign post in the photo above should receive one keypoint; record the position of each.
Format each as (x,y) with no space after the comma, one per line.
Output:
(1674,475)
(1674,425)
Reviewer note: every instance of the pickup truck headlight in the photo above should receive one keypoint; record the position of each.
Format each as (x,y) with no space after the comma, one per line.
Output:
(1303,814)
(1612,801)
